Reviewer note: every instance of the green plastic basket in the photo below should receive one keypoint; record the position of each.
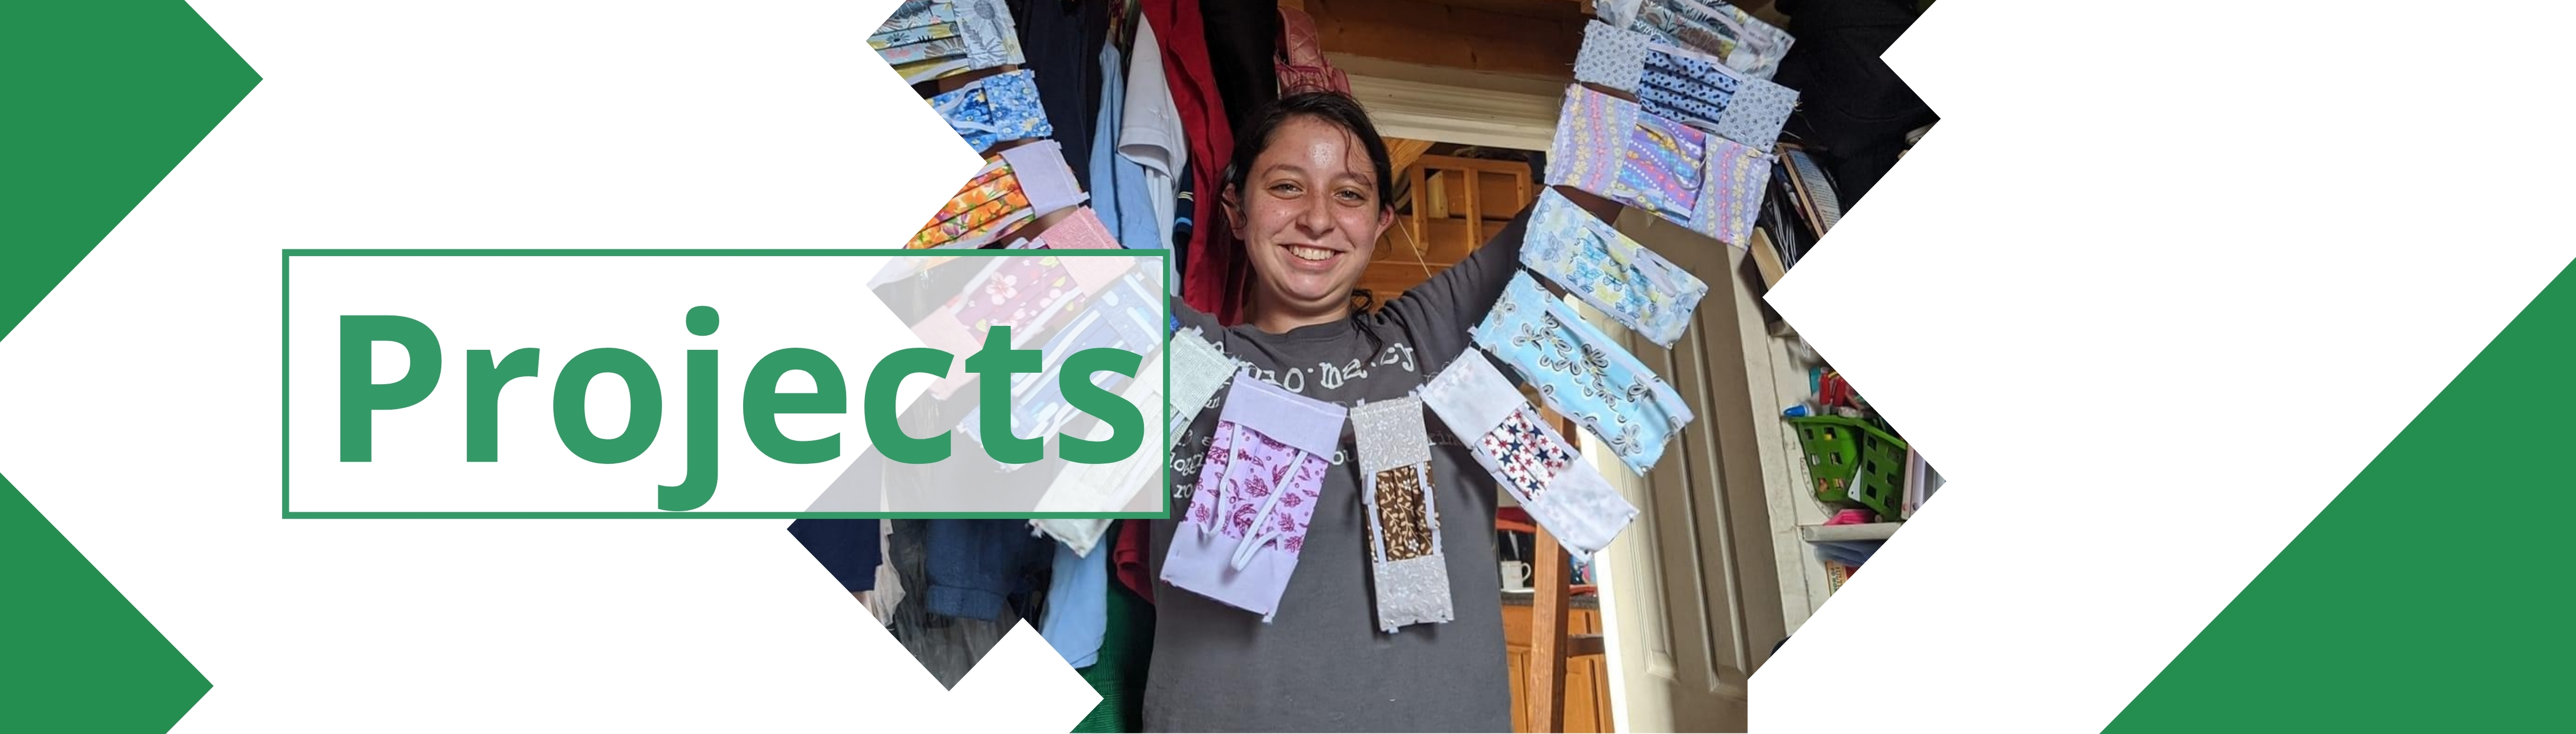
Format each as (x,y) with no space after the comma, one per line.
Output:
(1853,461)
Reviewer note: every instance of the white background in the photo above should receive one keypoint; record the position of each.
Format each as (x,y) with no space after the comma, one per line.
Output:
(141,396)
(2143,232)
(563,306)
(2161,282)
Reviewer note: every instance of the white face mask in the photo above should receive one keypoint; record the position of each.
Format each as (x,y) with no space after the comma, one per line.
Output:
(1408,570)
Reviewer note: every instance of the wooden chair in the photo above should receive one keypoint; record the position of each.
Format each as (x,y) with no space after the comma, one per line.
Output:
(1550,645)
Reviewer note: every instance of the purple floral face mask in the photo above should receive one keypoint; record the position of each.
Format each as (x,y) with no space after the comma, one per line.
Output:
(1246,524)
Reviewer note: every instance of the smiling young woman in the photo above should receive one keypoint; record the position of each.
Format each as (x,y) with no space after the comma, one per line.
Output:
(1308,192)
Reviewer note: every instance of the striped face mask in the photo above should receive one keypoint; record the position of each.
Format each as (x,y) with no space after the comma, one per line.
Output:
(1613,148)
(1403,525)
(1582,374)
(994,109)
(929,39)
(1506,435)
(1591,259)
(1246,524)
(1682,85)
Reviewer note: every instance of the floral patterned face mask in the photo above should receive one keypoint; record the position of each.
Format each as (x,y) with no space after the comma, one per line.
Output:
(994,109)
(1506,435)
(1409,572)
(1606,269)
(1611,147)
(929,39)
(1581,373)
(1246,523)
(1686,86)
(1015,187)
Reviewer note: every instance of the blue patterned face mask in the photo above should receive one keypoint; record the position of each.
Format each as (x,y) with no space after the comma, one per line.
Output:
(994,109)
(1686,86)
(1581,373)
(1606,269)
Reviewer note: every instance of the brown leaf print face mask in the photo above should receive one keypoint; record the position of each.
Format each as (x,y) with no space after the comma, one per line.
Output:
(1400,511)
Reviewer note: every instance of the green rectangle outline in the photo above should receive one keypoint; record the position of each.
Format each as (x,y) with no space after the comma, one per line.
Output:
(285,494)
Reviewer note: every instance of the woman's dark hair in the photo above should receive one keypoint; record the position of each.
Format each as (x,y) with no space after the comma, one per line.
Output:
(1333,108)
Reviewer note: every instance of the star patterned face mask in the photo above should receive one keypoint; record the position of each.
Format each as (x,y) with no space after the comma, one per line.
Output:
(1509,439)
(1407,567)
(1592,260)
(1582,374)
(1239,540)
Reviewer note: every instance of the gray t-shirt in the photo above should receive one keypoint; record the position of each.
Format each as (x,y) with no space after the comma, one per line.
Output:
(1322,664)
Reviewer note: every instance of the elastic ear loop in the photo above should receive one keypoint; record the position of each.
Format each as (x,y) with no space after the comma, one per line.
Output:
(1261,533)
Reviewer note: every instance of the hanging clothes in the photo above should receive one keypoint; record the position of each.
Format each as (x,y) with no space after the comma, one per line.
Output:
(1209,269)
(1301,65)
(1121,193)
(1077,606)
(850,549)
(1149,132)
(1062,42)
(1126,648)
(1243,49)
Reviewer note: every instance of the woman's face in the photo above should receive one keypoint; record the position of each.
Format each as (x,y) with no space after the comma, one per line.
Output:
(1308,216)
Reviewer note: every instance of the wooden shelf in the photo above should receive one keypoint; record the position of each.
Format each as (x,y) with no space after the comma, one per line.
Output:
(1837,533)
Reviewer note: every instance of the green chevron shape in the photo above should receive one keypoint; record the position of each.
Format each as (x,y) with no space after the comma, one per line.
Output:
(2427,596)
(103,99)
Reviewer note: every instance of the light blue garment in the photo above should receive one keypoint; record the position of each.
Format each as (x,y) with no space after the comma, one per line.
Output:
(1077,606)
(1582,373)
(1119,194)
(1104,142)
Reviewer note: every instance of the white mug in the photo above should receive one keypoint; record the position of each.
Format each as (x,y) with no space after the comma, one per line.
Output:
(1516,575)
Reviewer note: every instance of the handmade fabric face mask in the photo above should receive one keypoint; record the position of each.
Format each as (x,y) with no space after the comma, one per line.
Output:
(1103,487)
(1611,147)
(1507,437)
(1410,572)
(929,39)
(1683,85)
(1121,316)
(994,109)
(1716,28)
(1199,370)
(1015,187)
(1022,292)
(1636,287)
(1082,230)
(1247,519)
(1581,373)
